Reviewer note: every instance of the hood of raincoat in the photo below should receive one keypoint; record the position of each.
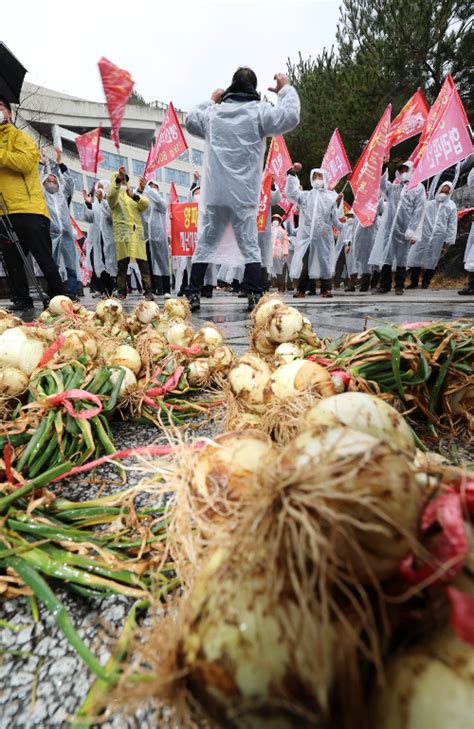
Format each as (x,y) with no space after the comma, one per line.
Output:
(105,185)
(321,172)
(445,184)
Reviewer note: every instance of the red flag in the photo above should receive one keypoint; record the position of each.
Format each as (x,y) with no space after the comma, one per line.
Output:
(88,146)
(184,218)
(118,85)
(279,162)
(410,121)
(447,143)
(264,204)
(335,160)
(174,198)
(365,178)
(464,212)
(169,144)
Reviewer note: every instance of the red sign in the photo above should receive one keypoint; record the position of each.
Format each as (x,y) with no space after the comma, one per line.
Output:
(264,204)
(169,144)
(365,178)
(184,218)
(410,121)
(464,212)
(448,142)
(279,162)
(89,153)
(118,85)
(335,160)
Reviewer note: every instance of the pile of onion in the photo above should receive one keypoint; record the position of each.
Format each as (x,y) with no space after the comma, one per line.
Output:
(109,311)
(147,312)
(178,333)
(20,347)
(208,338)
(278,324)
(177,308)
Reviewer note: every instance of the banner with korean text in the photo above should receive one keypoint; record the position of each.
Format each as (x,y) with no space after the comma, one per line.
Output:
(184,219)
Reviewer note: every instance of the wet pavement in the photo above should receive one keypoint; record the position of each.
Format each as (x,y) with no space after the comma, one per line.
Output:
(42,681)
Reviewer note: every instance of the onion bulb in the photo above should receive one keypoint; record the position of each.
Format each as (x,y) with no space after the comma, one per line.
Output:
(177,308)
(366,414)
(126,356)
(12,381)
(151,345)
(284,324)
(360,478)
(179,333)
(428,686)
(261,343)
(247,379)
(60,305)
(287,352)
(129,381)
(147,311)
(208,338)
(221,359)
(109,310)
(198,373)
(299,376)
(20,348)
(7,321)
(264,307)
(77,343)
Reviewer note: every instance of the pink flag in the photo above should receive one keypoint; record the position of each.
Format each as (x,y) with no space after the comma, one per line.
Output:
(410,121)
(365,179)
(173,194)
(279,162)
(89,153)
(118,85)
(335,160)
(169,144)
(448,142)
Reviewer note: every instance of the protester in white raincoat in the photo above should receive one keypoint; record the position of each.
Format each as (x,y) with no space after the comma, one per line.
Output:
(345,240)
(318,213)
(438,232)
(400,225)
(279,238)
(469,253)
(265,237)
(57,189)
(362,243)
(101,255)
(154,224)
(235,124)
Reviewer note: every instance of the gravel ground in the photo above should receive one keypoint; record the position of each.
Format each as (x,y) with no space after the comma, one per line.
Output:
(42,681)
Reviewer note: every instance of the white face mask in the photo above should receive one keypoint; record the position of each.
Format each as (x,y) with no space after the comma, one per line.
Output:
(317,184)
(404,177)
(51,187)
(275,223)
(3,117)
(441,196)
(350,221)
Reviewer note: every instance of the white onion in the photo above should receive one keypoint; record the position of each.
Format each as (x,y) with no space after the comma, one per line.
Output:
(367,414)
(284,324)
(264,308)
(177,308)
(126,356)
(129,381)
(109,310)
(300,375)
(180,334)
(208,338)
(76,343)
(147,311)
(261,343)
(151,344)
(60,305)
(247,379)
(198,373)
(20,348)
(221,358)
(7,321)
(287,352)
(12,381)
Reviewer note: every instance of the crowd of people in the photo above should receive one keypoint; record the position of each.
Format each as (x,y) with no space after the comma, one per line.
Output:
(319,239)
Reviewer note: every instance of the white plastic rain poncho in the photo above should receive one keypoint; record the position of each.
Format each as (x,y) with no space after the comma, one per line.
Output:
(440,224)
(154,224)
(318,213)
(100,239)
(469,252)
(363,241)
(265,236)
(345,239)
(235,133)
(292,234)
(279,238)
(401,222)
(62,234)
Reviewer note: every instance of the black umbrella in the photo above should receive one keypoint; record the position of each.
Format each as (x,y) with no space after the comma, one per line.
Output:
(12,74)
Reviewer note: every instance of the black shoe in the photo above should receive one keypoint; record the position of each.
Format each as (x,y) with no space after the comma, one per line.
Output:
(252,301)
(19,306)
(206,292)
(194,302)
(466,292)
(242,295)
(327,294)
(399,291)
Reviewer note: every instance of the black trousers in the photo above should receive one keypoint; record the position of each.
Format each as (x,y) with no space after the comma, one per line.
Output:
(122,275)
(33,234)
(385,281)
(252,281)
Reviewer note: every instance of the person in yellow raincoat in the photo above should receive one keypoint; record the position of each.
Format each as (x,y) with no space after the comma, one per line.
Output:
(127,207)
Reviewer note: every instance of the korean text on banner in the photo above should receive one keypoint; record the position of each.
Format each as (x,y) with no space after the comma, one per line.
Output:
(335,160)
(410,121)
(88,146)
(449,142)
(279,162)
(184,219)
(169,144)
(118,85)
(365,179)
(264,204)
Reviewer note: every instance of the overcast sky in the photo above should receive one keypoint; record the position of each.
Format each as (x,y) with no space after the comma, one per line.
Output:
(176,50)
